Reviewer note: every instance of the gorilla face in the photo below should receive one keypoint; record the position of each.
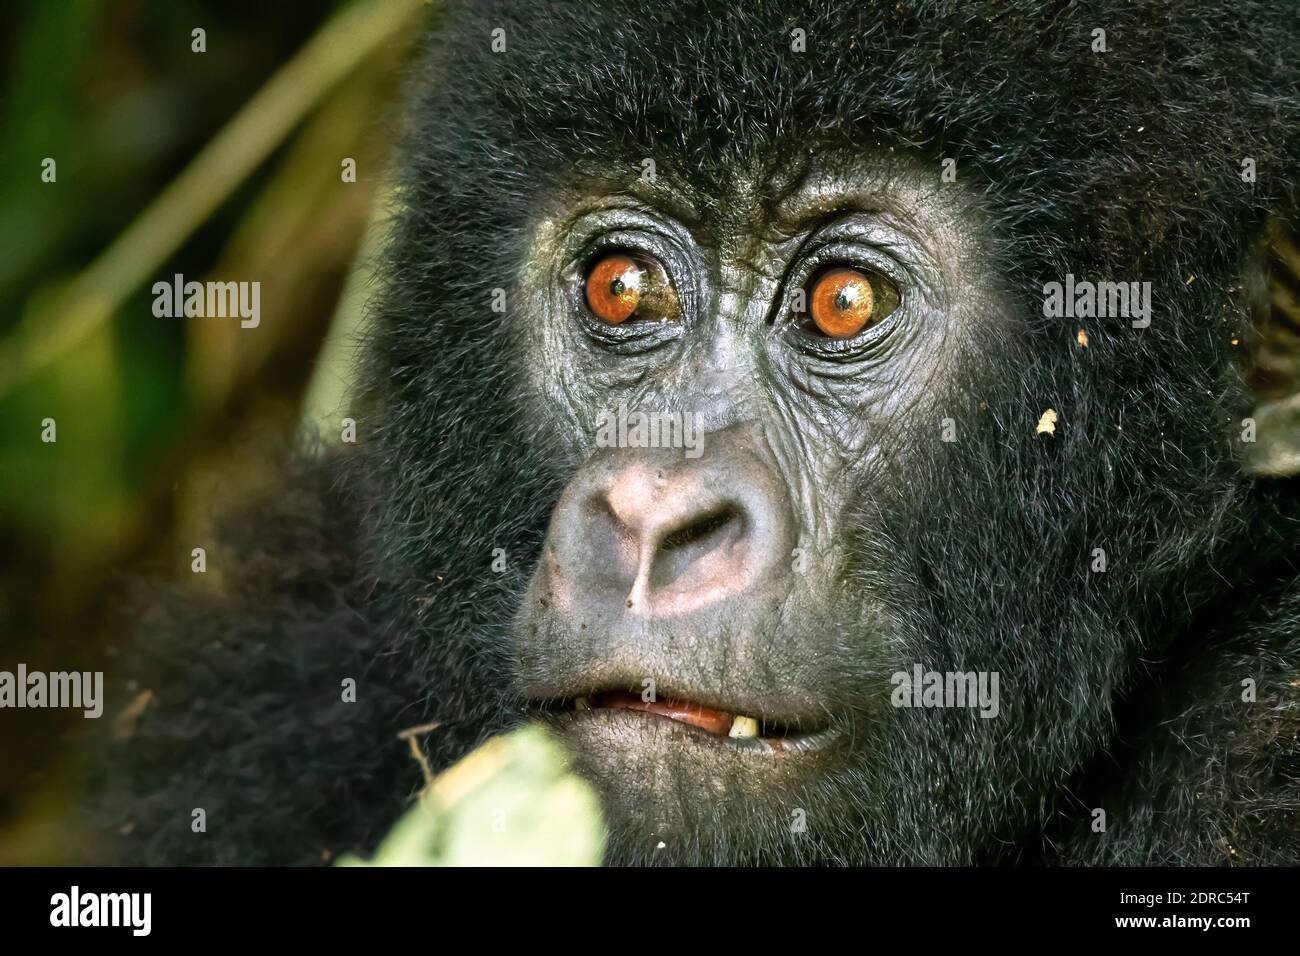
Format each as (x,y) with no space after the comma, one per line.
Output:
(853,354)
(695,627)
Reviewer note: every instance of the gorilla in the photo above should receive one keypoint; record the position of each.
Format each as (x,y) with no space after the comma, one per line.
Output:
(715,412)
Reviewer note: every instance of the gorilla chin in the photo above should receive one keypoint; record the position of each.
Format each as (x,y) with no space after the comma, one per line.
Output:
(670,788)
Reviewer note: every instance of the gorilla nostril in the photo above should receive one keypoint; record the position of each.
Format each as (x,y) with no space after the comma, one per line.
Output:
(621,540)
(700,550)
(702,528)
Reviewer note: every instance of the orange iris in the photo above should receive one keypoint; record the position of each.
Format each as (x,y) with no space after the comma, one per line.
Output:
(614,288)
(842,303)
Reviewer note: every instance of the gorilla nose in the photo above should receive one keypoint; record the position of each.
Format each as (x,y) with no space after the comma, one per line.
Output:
(682,542)
(658,535)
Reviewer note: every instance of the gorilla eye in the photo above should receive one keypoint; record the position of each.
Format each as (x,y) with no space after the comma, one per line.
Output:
(622,287)
(844,301)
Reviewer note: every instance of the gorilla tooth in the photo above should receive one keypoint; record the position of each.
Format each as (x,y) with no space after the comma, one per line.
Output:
(743,727)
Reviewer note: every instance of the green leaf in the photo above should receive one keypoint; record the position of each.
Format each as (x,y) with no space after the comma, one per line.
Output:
(512,802)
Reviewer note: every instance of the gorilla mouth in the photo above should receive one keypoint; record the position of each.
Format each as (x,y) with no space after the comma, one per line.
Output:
(734,729)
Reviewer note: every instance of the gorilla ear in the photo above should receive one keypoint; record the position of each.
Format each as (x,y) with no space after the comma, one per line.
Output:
(1274,350)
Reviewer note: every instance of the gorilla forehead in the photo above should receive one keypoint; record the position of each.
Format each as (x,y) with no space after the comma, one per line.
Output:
(693,86)
(782,198)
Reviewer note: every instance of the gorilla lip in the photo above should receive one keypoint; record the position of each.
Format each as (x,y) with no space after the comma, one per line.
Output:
(738,729)
(698,715)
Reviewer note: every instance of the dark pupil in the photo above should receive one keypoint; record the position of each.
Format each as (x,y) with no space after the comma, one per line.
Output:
(844,299)
(617,287)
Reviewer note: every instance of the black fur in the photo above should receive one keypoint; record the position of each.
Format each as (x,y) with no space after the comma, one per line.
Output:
(1127,684)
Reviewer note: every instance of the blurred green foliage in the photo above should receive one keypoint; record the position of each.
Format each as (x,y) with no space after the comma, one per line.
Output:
(160,420)
(512,802)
